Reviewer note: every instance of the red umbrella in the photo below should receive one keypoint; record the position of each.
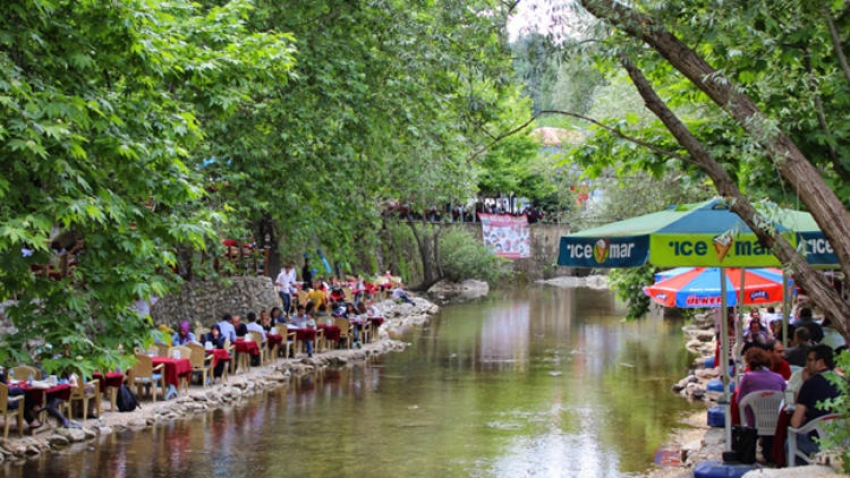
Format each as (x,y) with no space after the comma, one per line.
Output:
(699,287)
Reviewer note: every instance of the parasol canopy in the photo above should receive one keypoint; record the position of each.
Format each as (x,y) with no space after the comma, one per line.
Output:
(705,234)
(699,287)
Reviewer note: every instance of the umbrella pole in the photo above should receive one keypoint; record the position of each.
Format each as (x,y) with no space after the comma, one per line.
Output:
(739,332)
(724,358)
(786,307)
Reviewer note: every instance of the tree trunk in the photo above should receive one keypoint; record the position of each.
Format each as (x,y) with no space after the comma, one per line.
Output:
(426,243)
(824,205)
(267,237)
(819,289)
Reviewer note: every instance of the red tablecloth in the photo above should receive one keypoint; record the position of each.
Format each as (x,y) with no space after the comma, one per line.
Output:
(61,391)
(218,354)
(113,379)
(376,321)
(251,347)
(274,339)
(780,436)
(304,334)
(332,332)
(174,369)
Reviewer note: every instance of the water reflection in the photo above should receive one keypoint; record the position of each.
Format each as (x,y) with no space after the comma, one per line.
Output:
(544,382)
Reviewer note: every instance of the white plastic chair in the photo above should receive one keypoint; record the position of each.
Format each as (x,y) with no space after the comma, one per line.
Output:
(816,425)
(765,405)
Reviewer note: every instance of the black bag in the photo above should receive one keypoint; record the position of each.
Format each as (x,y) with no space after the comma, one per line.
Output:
(744,440)
(126,400)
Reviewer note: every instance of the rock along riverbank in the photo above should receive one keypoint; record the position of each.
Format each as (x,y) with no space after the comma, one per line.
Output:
(236,390)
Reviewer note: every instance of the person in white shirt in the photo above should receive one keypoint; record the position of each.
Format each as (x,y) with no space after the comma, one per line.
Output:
(254,326)
(305,320)
(226,326)
(284,283)
(371,310)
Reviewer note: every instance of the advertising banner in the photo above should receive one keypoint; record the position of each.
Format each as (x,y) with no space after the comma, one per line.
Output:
(507,236)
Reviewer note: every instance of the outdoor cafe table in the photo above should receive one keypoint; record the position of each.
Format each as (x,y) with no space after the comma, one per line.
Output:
(303,335)
(246,346)
(274,339)
(111,383)
(38,395)
(218,354)
(332,332)
(174,369)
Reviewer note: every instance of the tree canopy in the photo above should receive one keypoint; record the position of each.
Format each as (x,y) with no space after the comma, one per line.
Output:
(151,128)
(750,96)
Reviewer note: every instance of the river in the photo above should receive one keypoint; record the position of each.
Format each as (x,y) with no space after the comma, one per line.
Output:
(540,382)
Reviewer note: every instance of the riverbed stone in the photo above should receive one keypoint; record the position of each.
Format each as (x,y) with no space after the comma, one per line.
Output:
(224,395)
(138,423)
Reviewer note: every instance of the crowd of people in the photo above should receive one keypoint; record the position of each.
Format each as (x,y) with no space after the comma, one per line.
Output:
(461,213)
(804,369)
(302,305)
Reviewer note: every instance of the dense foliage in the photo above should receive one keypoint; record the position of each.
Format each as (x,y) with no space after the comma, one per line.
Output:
(462,257)
(150,130)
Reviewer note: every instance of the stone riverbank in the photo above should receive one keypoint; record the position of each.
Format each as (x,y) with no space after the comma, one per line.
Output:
(236,390)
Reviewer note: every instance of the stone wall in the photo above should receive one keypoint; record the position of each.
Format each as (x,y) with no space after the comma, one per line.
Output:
(206,302)
(545,240)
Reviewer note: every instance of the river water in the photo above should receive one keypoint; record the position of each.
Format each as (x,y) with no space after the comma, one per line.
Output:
(541,382)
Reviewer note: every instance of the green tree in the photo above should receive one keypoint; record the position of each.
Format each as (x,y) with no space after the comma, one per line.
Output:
(387,101)
(100,112)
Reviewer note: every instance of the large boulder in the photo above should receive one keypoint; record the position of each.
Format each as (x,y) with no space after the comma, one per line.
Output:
(445,292)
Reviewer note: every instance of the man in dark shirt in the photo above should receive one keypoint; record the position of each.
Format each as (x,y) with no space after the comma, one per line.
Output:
(805,320)
(815,389)
(240,328)
(798,354)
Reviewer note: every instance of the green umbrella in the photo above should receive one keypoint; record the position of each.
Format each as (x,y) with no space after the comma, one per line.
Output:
(706,234)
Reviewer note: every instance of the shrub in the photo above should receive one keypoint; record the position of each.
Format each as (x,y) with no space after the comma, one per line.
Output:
(462,257)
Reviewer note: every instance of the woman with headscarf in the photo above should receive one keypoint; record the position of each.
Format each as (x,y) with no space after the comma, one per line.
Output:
(183,336)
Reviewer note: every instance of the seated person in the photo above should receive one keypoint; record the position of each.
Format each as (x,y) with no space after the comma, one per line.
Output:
(278,316)
(266,321)
(371,310)
(400,294)
(239,328)
(299,317)
(777,355)
(815,389)
(797,354)
(758,378)
(318,298)
(253,325)
(183,336)
(307,321)
(337,295)
(28,404)
(755,333)
(226,327)
(215,338)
